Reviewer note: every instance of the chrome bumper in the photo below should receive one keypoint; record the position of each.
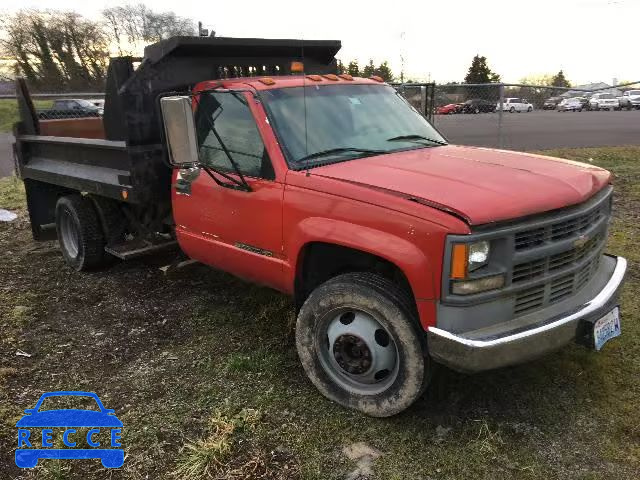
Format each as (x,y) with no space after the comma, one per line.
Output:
(477,354)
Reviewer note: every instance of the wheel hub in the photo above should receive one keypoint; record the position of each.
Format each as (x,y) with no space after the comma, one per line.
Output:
(352,354)
(357,351)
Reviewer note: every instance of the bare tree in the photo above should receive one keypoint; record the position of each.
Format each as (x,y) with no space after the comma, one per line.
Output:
(134,24)
(56,50)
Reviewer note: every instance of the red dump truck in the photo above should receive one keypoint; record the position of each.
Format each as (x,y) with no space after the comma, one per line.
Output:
(400,250)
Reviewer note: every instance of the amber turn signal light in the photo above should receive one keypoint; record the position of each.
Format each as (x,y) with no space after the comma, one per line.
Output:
(459,258)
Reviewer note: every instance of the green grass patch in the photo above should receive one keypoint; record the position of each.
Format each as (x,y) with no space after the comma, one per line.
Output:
(12,195)
(9,112)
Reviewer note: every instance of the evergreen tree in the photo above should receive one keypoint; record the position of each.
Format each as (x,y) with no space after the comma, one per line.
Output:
(384,71)
(353,68)
(559,80)
(479,72)
(369,69)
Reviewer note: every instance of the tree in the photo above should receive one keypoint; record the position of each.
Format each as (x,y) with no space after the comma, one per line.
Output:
(559,80)
(56,50)
(132,25)
(353,69)
(369,69)
(384,71)
(341,68)
(479,72)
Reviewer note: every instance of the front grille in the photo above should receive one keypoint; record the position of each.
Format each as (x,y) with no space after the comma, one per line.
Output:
(559,262)
(555,231)
(531,270)
(548,293)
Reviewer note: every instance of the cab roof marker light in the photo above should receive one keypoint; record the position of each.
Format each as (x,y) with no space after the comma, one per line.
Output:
(297,67)
(331,76)
(267,81)
(346,76)
(315,78)
(377,78)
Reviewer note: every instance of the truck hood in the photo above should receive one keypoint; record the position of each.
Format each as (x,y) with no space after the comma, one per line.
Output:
(481,185)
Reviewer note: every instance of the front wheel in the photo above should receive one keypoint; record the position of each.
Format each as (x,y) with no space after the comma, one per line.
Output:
(360,344)
(530,109)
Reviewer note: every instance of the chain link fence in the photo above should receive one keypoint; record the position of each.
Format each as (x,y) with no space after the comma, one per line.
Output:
(59,106)
(524,117)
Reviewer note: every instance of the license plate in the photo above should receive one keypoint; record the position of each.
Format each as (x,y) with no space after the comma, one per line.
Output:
(606,328)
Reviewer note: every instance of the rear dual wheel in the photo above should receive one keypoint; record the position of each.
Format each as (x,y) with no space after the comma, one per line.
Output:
(360,344)
(80,234)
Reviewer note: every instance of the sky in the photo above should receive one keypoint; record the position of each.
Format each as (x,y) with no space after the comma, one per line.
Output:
(591,40)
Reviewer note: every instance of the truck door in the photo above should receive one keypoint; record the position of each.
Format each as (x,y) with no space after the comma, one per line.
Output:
(228,228)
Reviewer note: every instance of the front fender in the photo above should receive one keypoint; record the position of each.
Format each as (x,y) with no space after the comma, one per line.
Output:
(410,259)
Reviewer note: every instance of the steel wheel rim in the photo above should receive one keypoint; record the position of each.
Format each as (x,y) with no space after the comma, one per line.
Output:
(69,234)
(356,351)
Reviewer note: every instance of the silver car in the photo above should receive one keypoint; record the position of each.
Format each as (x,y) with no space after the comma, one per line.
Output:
(570,104)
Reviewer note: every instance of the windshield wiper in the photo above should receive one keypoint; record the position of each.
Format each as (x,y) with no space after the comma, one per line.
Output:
(414,137)
(334,151)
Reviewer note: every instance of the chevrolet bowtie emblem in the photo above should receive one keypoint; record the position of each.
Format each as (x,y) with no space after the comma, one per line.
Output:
(581,241)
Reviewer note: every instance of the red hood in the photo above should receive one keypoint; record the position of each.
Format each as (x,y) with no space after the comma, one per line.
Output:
(480,184)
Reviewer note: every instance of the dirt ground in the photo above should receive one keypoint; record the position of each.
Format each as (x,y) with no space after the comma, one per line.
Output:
(201,369)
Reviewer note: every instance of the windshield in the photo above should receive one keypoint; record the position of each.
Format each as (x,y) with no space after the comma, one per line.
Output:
(634,92)
(344,122)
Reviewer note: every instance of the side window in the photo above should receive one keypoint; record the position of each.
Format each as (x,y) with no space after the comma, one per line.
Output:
(224,122)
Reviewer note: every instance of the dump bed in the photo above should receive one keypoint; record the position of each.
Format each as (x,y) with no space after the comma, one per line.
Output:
(122,155)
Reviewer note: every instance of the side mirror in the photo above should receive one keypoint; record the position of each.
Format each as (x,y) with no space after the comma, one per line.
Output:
(179,130)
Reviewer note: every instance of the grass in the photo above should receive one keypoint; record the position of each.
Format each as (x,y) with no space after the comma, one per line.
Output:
(201,369)
(9,112)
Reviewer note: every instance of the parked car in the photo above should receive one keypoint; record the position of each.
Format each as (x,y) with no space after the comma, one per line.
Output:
(98,102)
(551,103)
(399,249)
(603,101)
(70,108)
(516,105)
(572,104)
(478,105)
(584,101)
(449,109)
(630,99)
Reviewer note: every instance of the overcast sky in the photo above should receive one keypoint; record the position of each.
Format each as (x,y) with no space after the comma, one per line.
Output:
(591,40)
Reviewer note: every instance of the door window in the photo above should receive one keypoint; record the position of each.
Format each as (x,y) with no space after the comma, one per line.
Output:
(226,128)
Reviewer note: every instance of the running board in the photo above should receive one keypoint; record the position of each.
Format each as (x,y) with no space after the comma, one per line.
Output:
(139,248)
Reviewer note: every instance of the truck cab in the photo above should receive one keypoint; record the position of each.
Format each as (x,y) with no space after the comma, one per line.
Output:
(399,249)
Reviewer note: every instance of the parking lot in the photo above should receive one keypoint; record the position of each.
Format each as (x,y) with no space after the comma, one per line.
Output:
(543,129)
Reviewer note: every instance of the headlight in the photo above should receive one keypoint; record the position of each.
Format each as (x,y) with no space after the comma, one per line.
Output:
(467,258)
(478,255)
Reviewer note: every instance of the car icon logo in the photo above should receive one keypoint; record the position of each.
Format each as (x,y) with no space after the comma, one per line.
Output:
(36,433)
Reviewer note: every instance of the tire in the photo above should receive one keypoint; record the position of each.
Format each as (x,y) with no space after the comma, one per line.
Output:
(512,110)
(360,312)
(79,233)
(476,111)
(530,109)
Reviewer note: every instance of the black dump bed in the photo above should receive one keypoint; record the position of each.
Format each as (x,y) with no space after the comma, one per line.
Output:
(126,158)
